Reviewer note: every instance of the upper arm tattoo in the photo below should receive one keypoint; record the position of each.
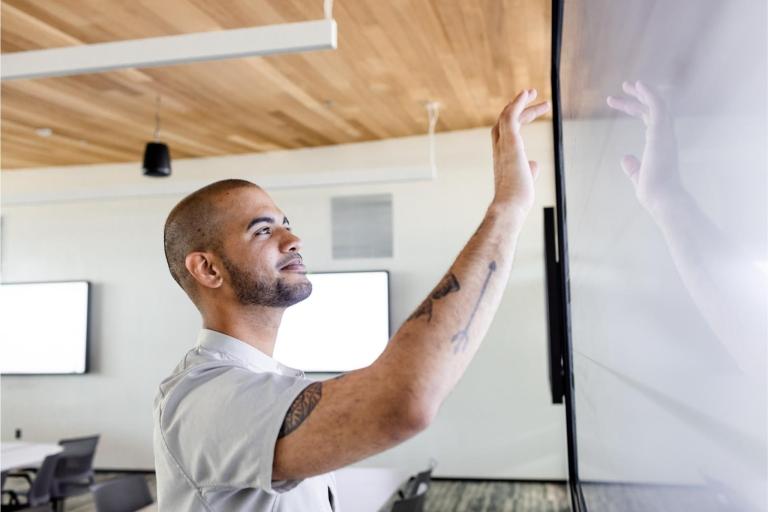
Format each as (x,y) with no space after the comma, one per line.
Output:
(448,284)
(301,408)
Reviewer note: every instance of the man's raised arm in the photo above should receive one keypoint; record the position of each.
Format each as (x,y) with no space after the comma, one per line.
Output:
(341,421)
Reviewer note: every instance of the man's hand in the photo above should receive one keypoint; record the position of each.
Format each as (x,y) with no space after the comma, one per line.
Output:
(655,177)
(514,174)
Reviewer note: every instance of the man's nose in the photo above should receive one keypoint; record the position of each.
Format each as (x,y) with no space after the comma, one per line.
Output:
(291,242)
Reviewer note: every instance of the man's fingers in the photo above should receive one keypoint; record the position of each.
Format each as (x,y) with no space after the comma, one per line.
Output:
(516,113)
(520,102)
(653,106)
(631,166)
(533,112)
(534,165)
(628,106)
(648,96)
(631,89)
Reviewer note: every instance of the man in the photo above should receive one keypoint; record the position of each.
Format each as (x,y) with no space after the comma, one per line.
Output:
(235,429)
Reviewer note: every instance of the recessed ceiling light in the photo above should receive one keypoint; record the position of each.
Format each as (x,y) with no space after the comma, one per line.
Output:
(44,132)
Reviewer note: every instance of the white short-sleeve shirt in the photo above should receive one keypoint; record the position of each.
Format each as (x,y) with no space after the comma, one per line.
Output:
(216,421)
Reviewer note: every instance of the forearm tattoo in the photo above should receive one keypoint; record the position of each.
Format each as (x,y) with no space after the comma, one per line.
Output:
(448,284)
(461,338)
(301,408)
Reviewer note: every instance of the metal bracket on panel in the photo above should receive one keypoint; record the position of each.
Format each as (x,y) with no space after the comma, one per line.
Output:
(555,316)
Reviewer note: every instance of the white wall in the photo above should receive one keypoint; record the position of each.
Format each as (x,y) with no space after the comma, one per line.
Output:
(104,224)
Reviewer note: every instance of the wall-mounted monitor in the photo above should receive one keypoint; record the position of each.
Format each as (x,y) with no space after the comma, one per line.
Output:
(44,328)
(342,326)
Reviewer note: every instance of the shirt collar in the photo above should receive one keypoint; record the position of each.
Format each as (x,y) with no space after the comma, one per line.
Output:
(237,349)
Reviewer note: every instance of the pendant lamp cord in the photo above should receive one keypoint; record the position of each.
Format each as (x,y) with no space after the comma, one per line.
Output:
(157,120)
(328,9)
(433,112)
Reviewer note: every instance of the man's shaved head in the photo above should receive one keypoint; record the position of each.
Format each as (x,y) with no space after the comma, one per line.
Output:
(195,224)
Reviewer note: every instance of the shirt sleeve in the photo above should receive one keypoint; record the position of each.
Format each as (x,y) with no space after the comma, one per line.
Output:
(223,431)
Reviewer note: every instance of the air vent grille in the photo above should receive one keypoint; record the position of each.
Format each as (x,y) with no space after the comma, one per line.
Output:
(362,226)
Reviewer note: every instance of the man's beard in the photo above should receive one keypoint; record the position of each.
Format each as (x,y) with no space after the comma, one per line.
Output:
(251,289)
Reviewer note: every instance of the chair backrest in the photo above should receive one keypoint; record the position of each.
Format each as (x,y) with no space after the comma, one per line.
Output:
(412,504)
(418,484)
(414,493)
(76,458)
(40,490)
(123,494)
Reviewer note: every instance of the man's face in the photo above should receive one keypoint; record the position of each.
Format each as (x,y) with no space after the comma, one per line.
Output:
(259,251)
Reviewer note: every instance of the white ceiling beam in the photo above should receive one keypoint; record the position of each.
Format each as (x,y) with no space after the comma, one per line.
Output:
(170,50)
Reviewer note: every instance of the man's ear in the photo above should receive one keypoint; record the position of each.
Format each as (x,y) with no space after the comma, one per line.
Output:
(202,267)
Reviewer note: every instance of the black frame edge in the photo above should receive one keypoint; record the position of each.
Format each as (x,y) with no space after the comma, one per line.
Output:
(577,498)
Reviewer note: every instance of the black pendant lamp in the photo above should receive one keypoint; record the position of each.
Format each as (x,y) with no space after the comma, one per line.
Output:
(157,158)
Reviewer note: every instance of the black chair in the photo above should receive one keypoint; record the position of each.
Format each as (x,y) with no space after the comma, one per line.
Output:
(74,470)
(417,483)
(414,493)
(39,493)
(412,504)
(123,494)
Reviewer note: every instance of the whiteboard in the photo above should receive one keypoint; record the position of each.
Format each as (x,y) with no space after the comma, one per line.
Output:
(44,328)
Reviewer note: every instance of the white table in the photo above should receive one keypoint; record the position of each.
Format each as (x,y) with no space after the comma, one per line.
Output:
(18,454)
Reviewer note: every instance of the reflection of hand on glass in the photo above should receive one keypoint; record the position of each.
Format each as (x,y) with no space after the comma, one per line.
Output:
(655,177)
(725,282)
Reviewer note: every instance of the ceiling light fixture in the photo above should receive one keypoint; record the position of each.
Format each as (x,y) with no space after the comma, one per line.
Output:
(170,50)
(157,158)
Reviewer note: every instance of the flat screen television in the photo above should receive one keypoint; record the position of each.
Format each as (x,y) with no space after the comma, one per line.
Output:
(342,326)
(44,328)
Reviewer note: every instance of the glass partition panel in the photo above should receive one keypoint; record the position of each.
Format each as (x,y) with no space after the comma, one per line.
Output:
(664,136)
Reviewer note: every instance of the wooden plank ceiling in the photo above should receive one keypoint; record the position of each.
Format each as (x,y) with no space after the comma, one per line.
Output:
(393,56)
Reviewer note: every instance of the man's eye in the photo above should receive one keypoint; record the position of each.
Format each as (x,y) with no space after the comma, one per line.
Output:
(264,231)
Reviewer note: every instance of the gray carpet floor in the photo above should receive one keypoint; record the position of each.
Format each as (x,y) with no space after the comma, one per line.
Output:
(460,496)
(443,496)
